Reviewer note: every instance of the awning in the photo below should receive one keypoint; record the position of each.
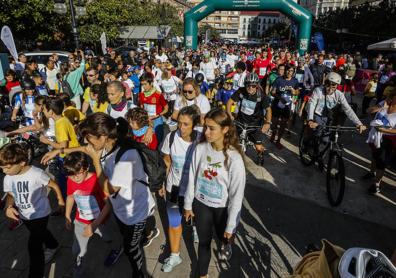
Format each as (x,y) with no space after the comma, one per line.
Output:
(384,45)
(144,32)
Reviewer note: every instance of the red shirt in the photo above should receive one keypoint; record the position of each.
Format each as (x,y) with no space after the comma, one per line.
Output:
(153,104)
(10,85)
(89,198)
(261,66)
(154,141)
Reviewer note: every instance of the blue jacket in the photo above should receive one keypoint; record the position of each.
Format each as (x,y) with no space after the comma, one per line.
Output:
(136,81)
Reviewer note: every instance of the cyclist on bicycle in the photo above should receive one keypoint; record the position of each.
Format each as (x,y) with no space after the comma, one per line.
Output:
(325,104)
(253,110)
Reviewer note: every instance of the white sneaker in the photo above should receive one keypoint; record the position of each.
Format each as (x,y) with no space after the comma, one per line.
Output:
(171,263)
(49,254)
(225,252)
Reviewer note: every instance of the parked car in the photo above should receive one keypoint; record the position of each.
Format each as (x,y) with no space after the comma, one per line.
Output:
(41,57)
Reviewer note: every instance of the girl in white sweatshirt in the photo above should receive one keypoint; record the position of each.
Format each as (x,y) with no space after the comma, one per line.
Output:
(216,186)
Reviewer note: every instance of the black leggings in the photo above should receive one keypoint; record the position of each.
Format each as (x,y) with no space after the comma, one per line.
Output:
(132,237)
(39,235)
(205,219)
(366,103)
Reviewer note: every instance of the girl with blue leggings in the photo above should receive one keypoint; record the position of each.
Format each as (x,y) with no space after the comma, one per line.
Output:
(178,148)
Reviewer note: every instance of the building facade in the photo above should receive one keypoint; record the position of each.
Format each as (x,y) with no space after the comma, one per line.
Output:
(254,24)
(226,23)
(318,7)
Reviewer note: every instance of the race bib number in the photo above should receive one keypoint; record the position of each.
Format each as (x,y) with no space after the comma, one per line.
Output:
(263,71)
(151,109)
(300,77)
(248,107)
(87,205)
(209,190)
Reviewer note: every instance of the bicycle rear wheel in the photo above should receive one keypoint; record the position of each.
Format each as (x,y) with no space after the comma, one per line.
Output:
(335,179)
(306,147)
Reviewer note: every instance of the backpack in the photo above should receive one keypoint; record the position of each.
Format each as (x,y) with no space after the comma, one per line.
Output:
(152,160)
(350,70)
(65,88)
(173,133)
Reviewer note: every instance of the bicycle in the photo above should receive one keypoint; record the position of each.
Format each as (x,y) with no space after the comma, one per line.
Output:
(30,140)
(244,140)
(309,152)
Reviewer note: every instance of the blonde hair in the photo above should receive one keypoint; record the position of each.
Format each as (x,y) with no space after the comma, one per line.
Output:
(190,81)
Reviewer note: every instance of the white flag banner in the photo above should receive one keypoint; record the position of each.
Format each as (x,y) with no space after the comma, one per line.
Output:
(103,42)
(8,40)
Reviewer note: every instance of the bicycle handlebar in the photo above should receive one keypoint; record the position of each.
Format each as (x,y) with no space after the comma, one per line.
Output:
(340,128)
(246,126)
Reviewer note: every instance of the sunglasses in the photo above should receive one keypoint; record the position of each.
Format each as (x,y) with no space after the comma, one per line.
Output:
(188,92)
(90,75)
(333,84)
(252,85)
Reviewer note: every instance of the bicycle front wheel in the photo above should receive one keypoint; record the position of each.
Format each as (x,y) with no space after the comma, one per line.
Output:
(306,148)
(335,179)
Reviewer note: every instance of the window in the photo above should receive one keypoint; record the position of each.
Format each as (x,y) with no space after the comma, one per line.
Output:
(265,20)
(244,34)
(244,20)
(232,31)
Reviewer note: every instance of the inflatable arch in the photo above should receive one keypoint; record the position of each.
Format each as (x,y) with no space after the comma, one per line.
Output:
(300,15)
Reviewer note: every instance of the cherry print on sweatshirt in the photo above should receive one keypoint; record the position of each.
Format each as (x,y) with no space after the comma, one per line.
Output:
(211,172)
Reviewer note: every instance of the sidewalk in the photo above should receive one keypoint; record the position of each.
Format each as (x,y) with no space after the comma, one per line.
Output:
(271,238)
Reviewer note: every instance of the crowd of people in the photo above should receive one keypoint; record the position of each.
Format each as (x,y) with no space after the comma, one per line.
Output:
(181,106)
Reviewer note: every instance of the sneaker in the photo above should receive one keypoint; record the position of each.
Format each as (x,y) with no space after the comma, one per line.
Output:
(368,176)
(15,225)
(113,257)
(374,189)
(225,252)
(49,254)
(171,263)
(148,240)
(195,235)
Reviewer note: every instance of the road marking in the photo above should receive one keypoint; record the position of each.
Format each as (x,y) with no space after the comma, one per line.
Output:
(51,273)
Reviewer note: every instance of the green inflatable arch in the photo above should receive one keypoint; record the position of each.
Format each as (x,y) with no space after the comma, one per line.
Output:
(300,15)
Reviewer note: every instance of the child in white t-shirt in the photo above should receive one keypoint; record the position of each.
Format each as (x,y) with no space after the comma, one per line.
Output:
(26,187)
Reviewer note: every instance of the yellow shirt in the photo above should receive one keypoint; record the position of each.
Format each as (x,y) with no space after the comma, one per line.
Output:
(93,104)
(64,131)
(73,114)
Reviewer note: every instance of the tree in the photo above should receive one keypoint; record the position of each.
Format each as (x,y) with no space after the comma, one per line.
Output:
(358,25)
(280,29)
(213,33)
(32,19)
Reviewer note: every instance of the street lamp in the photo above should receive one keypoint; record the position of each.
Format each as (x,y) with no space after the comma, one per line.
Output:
(60,8)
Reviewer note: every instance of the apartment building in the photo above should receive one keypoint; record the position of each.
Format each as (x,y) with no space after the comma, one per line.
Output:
(254,24)
(225,22)
(318,7)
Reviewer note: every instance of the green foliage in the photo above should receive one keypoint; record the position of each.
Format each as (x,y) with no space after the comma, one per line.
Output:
(364,23)
(213,34)
(32,20)
(280,29)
